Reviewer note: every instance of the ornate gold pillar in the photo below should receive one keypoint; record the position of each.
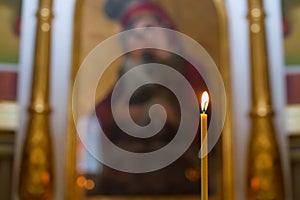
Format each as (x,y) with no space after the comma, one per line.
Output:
(36,174)
(265,177)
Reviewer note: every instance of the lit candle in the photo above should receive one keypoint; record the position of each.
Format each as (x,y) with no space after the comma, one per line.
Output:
(204,160)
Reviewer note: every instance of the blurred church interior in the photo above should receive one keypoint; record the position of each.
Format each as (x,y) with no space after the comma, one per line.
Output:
(254,43)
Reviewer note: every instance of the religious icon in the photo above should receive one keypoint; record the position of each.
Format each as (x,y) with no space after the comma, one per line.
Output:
(291,30)
(10,23)
(179,178)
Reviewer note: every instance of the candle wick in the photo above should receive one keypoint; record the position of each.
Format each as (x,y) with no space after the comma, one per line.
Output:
(204,107)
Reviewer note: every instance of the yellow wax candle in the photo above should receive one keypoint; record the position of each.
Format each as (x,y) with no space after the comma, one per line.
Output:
(204,160)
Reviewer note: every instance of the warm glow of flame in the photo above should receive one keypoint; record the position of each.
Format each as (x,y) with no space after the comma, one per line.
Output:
(90,184)
(81,181)
(204,101)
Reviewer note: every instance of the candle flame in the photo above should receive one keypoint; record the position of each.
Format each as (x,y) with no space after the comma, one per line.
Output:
(204,101)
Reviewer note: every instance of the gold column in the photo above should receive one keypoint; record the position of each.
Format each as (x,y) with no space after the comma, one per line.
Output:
(265,178)
(36,174)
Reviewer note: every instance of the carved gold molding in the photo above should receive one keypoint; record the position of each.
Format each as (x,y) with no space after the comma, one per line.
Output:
(265,178)
(72,191)
(36,174)
(227,135)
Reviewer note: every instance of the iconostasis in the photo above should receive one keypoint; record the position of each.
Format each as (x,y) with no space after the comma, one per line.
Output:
(220,27)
